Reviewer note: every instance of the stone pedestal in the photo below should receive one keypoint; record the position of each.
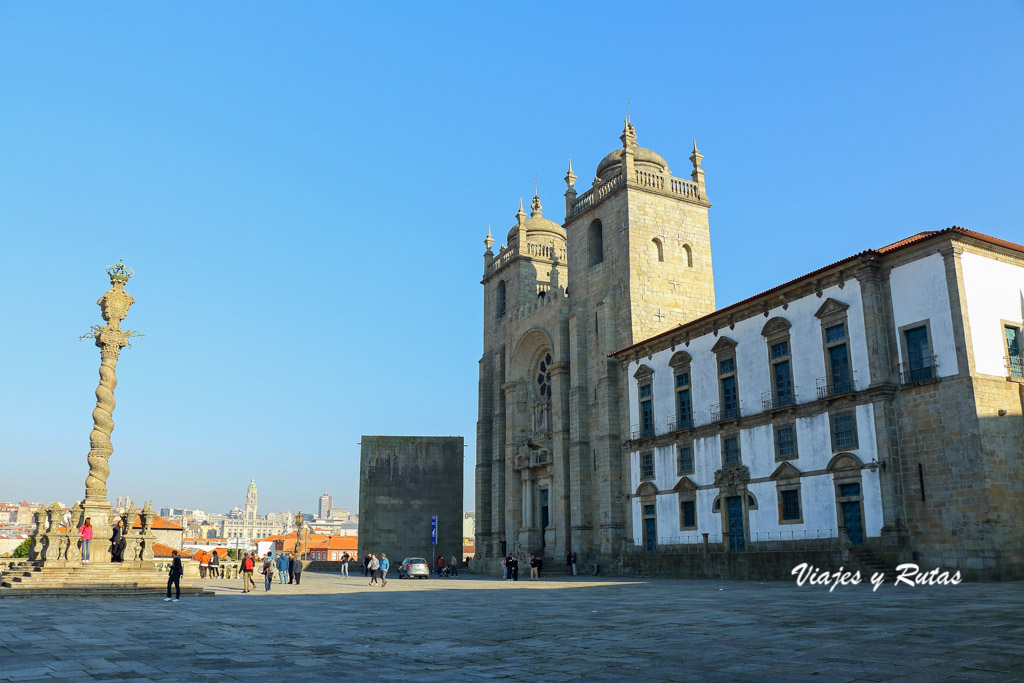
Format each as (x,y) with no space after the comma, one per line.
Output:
(101,516)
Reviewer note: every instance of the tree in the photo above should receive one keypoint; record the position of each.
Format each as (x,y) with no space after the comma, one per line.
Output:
(22,550)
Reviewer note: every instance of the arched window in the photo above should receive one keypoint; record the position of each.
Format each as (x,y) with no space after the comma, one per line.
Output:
(689,255)
(595,242)
(544,377)
(500,304)
(659,249)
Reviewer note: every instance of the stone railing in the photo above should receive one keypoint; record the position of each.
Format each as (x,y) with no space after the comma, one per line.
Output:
(651,179)
(499,261)
(56,541)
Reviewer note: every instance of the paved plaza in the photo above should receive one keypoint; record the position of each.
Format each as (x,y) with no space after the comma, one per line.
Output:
(481,628)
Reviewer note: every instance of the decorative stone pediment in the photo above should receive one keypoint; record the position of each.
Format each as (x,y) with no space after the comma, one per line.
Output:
(642,372)
(723,344)
(685,484)
(732,476)
(831,307)
(844,461)
(775,326)
(680,358)
(785,471)
(646,489)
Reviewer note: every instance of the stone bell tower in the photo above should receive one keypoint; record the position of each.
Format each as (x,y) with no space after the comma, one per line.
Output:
(639,251)
(250,503)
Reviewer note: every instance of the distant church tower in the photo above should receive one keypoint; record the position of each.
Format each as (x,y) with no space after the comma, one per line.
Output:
(632,259)
(250,504)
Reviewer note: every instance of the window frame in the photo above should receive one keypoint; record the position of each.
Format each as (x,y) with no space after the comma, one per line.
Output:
(833,313)
(779,457)
(680,364)
(725,350)
(685,500)
(644,377)
(906,374)
(793,487)
(1019,328)
(680,472)
(739,450)
(832,418)
(595,242)
(644,454)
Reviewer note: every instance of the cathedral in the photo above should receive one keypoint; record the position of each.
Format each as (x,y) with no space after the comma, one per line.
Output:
(870,411)
(635,252)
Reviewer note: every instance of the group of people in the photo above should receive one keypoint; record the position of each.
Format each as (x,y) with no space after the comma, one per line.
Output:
(446,568)
(209,564)
(510,567)
(373,567)
(285,564)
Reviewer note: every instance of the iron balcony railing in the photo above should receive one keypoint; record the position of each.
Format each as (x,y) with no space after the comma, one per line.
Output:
(674,423)
(720,413)
(1015,366)
(919,371)
(638,431)
(775,401)
(827,389)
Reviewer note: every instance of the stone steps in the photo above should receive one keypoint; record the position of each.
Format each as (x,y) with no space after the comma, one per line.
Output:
(100,579)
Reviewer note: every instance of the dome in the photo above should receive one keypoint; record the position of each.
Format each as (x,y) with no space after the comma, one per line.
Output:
(538,228)
(641,156)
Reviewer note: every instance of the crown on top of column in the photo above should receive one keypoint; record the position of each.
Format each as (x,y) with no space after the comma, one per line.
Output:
(570,177)
(520,214)
(488,241)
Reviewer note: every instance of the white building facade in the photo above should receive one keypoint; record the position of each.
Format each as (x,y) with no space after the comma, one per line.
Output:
(872,403)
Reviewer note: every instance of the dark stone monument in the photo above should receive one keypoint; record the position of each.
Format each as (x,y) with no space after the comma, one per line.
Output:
(403,482)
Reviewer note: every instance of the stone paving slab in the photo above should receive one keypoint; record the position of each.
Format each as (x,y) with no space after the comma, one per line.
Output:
(555,629)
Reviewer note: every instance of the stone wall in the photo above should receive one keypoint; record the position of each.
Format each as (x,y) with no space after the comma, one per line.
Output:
(749,566)
(403,482)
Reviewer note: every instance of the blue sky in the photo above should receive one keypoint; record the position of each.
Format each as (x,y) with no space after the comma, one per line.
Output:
(303,191)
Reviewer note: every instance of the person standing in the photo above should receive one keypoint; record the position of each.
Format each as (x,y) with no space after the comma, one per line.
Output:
(454,564)
(504,568)
(204,564)
(291,568)
(373,565)
(533,567)
(568,562)
(384,566)
(540,566)
(515,568)
(117,542)
(86,532)
(366,564)
(572,561)
(297,569)
(282,567)
(214,568)
(344,565)
(268,571)
(247,567)
(175,577)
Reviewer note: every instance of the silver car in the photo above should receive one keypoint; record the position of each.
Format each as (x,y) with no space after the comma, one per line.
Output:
(414,567)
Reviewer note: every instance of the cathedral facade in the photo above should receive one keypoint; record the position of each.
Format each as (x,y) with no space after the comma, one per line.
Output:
(871,411)
(635,252)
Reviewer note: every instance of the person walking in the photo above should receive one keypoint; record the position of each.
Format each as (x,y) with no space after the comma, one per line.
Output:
(366,564)
(373,565)
(297,569)
(344,564)
(533,567)
(384,566)
(174,577)
(268,571)
(86,532)
(282,567)
(214,567)
(247,567)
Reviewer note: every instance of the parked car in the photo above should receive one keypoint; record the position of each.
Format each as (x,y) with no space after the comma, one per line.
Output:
(414,567)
